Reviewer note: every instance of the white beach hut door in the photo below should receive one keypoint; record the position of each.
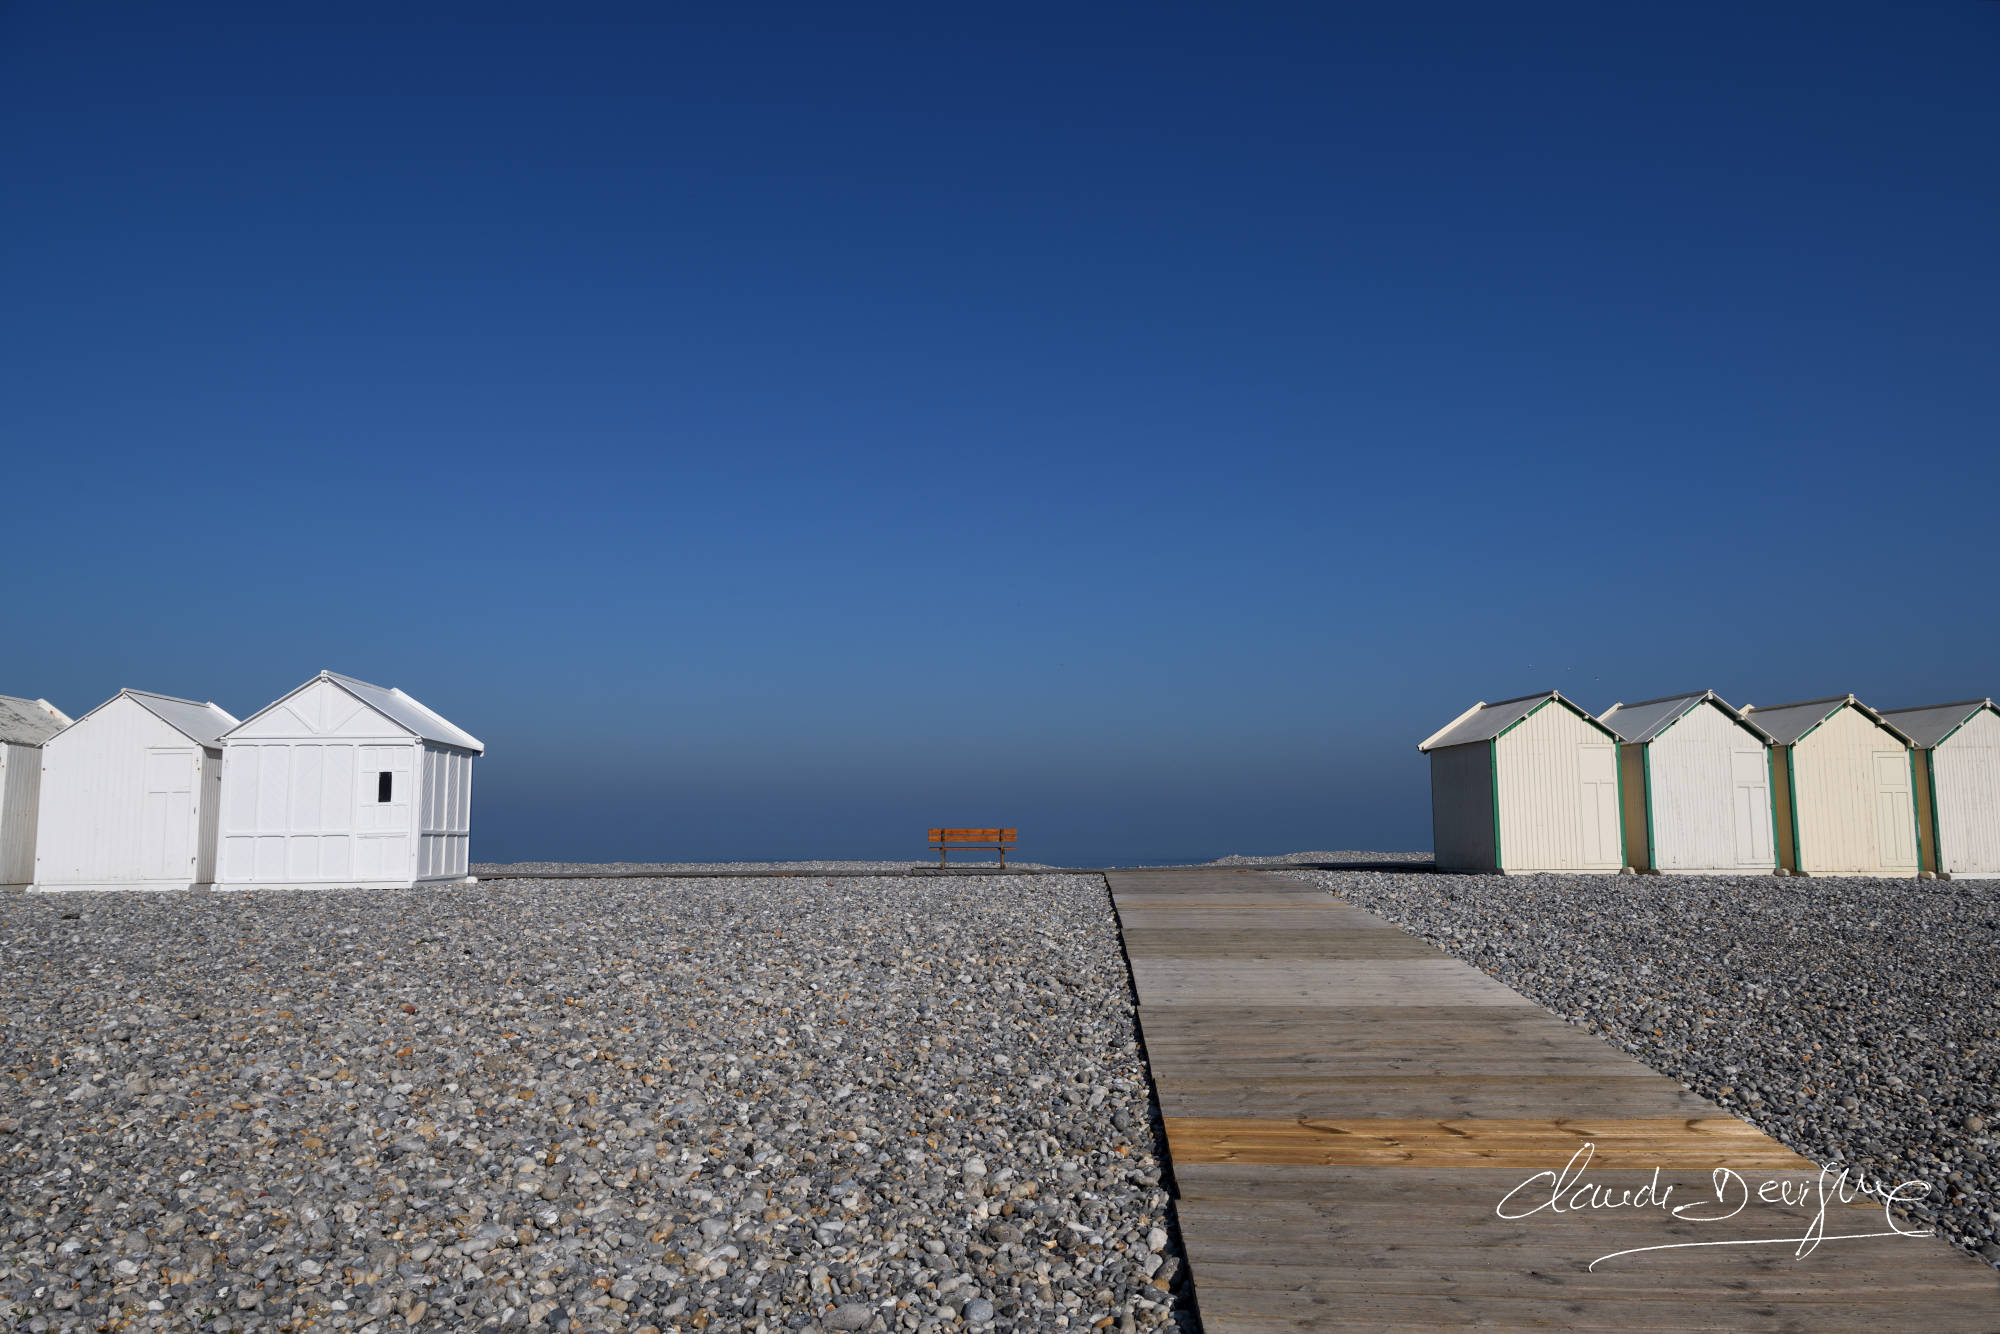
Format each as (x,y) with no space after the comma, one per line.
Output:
(1598,768)
(384,787)
(1895,820)
(1750,775)
(168,818)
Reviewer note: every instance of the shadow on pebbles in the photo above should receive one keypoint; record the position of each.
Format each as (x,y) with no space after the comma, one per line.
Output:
(849,1104)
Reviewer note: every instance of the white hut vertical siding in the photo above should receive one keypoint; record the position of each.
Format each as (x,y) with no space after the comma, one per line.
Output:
(1558,784)
(343,783)
(1846,796)
(128,796)
(1957,750)
(445,828)
(1549,796)
(25,724)
(1697,787)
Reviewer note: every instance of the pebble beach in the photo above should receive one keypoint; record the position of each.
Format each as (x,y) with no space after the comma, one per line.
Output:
(814,1096)
(852,1103)
(1857,1021)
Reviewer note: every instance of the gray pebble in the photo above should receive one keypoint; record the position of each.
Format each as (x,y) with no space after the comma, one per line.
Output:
(852,1316)
(734,1101)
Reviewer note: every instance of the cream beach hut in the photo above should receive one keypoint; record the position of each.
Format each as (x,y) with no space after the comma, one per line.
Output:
(343,783)
(1525,785)
(1695,779)
(128,796)
(1957,750)
(1841,788)
(24,725)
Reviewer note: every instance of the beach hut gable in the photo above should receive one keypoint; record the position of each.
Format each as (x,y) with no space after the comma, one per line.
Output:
(1931,725)
(332,705)
(1489,722)
(1648,720)
(202,724)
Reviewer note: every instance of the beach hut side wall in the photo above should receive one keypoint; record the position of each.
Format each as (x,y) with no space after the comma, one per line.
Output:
(1462,809)
(1856,805)
(1710,786)
(1557,778)
(1925,782)
(1632,804)
(1966,776)
(1784,808)
(445,821)
(20,790)
(122,804)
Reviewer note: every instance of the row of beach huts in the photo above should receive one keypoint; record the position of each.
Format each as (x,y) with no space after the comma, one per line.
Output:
(345,783)
(338,783)
(1689,785)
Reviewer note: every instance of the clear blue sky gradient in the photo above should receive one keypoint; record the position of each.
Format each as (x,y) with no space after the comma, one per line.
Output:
(779,431)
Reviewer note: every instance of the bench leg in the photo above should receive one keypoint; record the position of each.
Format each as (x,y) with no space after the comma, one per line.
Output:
(1003,859)
(942,857)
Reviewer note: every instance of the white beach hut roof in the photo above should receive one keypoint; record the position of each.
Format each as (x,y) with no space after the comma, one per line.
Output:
(397,707)
(29,722)
(1787,724)
(1639,723)
(202,723)
(1928,724)
(1483,721)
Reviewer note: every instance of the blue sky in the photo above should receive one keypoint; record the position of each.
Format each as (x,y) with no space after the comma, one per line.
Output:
(778,430)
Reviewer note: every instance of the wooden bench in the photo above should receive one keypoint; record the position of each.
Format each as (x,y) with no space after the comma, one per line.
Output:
(977,840)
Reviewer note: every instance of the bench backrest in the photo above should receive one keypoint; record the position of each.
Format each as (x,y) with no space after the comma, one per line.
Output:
(973,835)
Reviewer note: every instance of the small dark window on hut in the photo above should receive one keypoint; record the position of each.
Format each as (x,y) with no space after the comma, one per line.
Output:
(385,785)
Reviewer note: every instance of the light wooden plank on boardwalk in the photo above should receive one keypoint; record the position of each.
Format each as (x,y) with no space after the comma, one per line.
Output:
(1345,1106)
(1538,1142)
(1262,1310)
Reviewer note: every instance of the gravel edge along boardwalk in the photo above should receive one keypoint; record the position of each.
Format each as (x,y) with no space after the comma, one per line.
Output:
(847,1104)
(1857,1021)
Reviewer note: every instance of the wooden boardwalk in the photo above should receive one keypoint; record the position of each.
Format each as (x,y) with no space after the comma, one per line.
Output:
(1346,1108)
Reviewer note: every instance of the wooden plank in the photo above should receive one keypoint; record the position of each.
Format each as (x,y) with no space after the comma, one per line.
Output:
(1488,1098)
(1234,1310)
(1345,1106)
(1535,1142)
(972,835)
(1319,983)
(1275,942)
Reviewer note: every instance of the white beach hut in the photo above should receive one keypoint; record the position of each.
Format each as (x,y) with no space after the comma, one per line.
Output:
(24,725)
(1525,785)
(129,795)
(1957,750)
(1696,783)
(343,783)
(1841,788)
